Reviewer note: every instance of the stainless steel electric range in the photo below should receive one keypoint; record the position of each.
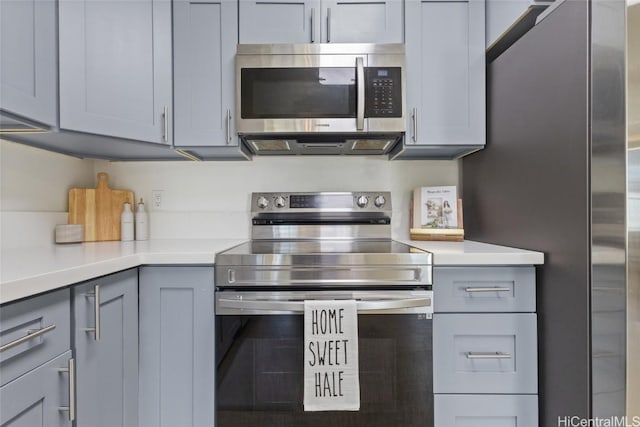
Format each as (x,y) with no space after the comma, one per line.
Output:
(322,246)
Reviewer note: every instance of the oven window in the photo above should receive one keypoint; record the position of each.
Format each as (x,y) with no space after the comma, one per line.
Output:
(260,373)
(290,93)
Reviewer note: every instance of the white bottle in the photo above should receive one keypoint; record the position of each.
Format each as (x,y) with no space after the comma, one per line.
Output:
(142,222)
(126,223)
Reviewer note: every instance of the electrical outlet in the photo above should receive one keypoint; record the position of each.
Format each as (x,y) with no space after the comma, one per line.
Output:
(156,198)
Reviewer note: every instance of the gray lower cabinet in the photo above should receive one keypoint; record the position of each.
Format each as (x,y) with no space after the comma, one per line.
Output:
(205,34)
(485,356)
(177,343)
(115,68)
(321,21)
(465,410)
(106,348)
(445,48)
(35,399)
(28,60)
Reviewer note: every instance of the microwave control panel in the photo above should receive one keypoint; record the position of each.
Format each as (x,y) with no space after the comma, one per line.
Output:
(383,92)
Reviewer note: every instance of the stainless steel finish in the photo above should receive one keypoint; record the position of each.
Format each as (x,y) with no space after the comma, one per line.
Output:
(322,274)
(165,124)
(328,25)
(292,302)
(362,201)
(485,290)
(321,49)
(71,370)
(334,232)
(320,55)
(262,202)
(96,310)
(608,183)
(361,95)
(633,210)
(313,12)
(386,209)
(188,155)
(31,334)
(414,120)
(228,140)
(496,355)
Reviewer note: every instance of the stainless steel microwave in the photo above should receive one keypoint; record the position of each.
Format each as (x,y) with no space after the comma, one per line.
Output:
(320,98)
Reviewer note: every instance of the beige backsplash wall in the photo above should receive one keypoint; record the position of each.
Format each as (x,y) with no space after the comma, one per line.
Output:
(211,199)
(33,192)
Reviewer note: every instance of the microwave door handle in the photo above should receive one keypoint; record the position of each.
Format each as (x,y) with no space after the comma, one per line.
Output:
(360,84)
(298,306)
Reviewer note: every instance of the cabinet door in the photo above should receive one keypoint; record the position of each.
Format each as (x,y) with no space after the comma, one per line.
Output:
(485,353)
(465,410)
(35,399)
(446,72)
(107,369)
(279,21)
(177,349)
(355,21)
(28,51)
(115,68)
(205,34)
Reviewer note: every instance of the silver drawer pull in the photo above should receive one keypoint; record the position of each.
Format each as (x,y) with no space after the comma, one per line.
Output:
(494,355)
(473,290)
(96,310)
(30,335)
(71,369)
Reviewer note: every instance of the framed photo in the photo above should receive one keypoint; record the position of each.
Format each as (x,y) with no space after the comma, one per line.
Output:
(435,207)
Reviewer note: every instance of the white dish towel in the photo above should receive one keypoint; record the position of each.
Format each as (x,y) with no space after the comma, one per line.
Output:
(331,379)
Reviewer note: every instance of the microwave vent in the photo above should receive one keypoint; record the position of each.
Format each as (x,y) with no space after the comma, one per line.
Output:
(270,145)
(372,144)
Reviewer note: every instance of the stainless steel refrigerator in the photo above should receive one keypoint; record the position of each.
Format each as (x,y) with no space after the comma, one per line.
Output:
(563,120)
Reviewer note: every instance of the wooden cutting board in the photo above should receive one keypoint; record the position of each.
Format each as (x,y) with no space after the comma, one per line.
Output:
(98,209)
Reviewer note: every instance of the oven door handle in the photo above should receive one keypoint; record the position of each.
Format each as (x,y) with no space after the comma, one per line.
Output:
(297,306)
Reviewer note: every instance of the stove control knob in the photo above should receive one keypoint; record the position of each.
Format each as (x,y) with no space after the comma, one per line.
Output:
(362,201)
(379,201)
(280,202)
(263,202)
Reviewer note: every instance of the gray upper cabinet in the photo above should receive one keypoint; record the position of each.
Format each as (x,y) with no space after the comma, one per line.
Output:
(321,21)
(205,36)
(28,58)
(115,68)
(445,44)
(107,361)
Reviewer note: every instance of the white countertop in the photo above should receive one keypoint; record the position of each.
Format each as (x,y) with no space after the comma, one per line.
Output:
(30,271)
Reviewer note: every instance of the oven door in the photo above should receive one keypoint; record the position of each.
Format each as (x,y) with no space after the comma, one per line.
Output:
(259,376)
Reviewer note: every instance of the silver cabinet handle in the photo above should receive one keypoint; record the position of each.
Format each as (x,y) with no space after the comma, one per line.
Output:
(493,355)
(71,369)
(228,141)
(496,289)
(165,124)
(96,310)
(31,334)
(328,25)
(298,306)
(313,13)
(414,118)
(361,95)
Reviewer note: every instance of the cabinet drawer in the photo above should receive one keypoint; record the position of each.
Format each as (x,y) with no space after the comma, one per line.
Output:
(34,399)
(465,410)
(484,289)
(485,353)
(47,319)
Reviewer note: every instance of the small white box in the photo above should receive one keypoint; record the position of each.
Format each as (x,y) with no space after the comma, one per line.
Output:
(435,207)
(69,233)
